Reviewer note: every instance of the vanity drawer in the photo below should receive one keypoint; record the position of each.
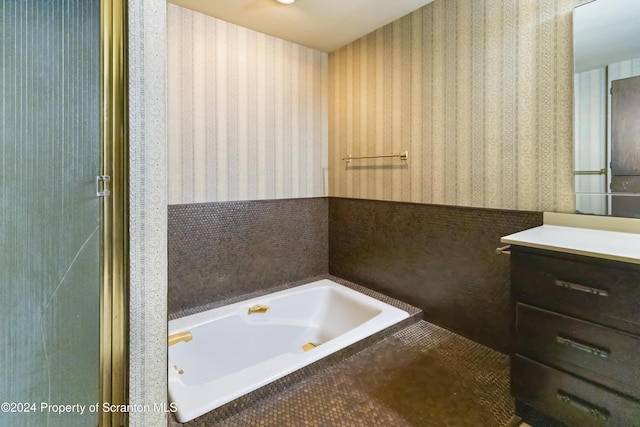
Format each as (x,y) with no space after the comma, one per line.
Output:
(597,353)
(602,292)
(569,399)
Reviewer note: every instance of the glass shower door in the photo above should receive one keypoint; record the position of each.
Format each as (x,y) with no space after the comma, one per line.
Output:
(50,236)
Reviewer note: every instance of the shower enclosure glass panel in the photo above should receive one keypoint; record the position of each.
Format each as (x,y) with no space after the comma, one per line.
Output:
(49,214)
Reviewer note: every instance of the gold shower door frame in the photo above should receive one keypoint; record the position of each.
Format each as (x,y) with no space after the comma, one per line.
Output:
(114,295)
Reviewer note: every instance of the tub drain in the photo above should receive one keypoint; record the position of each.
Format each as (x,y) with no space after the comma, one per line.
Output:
(309,346)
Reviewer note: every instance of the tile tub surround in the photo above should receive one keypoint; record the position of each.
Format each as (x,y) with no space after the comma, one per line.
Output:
(439,258)
(253,399)
(211,305)
(421,375)
(226,249)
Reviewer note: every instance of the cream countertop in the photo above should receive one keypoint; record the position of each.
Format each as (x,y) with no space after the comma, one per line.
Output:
(597,240)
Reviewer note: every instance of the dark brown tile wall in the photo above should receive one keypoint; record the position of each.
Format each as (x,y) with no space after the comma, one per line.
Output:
(439,258)
(222,250)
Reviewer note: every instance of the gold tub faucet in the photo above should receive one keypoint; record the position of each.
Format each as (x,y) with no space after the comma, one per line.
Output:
(179,337)
(258,308)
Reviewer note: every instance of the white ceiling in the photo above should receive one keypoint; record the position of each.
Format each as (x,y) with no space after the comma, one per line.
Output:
(324,25)
(605,32)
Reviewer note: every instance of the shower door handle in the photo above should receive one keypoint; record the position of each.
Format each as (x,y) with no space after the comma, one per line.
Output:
(102,192)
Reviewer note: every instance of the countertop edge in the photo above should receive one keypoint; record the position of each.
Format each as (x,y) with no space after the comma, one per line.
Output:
(572,251)
(532,238)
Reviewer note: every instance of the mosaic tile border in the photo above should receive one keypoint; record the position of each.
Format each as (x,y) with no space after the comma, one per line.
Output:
(147,41)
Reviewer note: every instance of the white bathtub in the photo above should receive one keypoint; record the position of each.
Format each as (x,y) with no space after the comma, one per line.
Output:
(233,352)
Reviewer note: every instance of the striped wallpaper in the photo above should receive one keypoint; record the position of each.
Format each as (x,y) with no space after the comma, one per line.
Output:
(247,113)
(480,93)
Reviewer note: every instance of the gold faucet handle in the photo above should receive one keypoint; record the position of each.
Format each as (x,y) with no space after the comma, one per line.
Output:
(179,337)
(258,308)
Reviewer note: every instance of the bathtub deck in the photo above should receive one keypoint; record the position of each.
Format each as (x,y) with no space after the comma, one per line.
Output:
(421,375)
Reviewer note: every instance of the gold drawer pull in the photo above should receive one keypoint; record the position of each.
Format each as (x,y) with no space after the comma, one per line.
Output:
(583,347)
(582,288)
(583,405)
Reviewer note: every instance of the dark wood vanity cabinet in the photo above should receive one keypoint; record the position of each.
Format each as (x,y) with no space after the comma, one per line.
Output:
(575,347)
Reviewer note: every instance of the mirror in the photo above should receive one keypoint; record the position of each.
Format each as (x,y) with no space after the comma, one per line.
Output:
(606,49)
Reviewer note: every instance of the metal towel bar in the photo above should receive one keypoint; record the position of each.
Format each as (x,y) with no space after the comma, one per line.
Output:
(598,172)
(403,156)
(504,250)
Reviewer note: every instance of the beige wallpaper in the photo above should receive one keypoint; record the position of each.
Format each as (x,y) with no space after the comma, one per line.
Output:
(247,113)
(480,94)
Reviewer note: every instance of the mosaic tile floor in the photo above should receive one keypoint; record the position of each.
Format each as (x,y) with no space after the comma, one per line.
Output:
(421,376)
